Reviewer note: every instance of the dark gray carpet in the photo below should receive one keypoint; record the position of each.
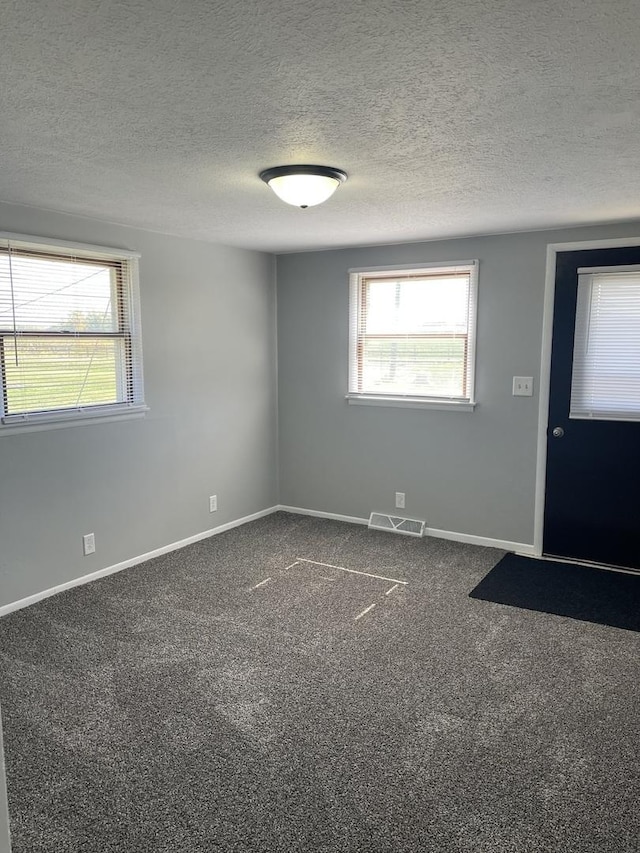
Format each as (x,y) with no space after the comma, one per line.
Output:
(581,592)
(174,709)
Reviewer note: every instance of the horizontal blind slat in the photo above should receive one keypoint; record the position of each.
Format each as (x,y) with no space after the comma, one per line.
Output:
(409,332)
(606,363)
(66,332)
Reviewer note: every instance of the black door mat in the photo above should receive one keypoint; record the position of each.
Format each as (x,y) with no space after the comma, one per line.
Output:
(579,592)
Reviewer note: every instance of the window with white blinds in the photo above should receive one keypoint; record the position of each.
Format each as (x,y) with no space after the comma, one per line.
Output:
(605,383)
(69,332)
(412,333)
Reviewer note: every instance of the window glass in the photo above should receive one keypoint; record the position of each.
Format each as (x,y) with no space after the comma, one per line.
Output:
(69,333)
(605,382)
(413,333)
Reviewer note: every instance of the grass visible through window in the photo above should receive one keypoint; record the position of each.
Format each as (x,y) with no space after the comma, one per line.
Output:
(61,374)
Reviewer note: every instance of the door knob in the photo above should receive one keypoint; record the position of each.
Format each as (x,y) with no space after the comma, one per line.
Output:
(558,432)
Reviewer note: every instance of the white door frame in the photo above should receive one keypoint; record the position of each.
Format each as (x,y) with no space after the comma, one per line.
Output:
(545,366)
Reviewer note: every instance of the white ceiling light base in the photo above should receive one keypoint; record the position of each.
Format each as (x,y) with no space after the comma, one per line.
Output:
(303,186)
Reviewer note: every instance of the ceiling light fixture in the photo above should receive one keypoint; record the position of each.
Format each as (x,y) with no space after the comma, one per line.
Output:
(303,186)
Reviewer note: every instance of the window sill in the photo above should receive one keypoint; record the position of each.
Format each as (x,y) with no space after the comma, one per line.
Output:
(59,420)
(409,403)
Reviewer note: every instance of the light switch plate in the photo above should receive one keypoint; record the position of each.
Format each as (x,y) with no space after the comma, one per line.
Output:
(523,386)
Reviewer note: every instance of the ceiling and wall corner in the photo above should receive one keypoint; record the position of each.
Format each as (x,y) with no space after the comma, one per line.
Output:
(451,119)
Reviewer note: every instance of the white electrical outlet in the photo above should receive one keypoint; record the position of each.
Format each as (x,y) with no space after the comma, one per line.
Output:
(399,500)
(89,543)
(213,503)
(523,386)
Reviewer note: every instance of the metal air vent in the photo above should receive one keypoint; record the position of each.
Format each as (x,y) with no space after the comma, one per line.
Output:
(396,524)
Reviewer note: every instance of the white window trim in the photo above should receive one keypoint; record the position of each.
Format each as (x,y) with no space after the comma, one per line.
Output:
(29,241)
(58,419)
(42,421)
(404,401)
(441,404)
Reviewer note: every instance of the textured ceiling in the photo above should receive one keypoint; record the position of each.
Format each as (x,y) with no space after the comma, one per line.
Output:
(451,118)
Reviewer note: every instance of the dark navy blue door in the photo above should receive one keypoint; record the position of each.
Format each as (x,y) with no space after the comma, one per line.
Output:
(592,500)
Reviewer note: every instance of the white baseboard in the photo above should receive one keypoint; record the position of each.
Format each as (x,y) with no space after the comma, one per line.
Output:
(316,513)
(134,561)
(468,538)
(504,545)
(485,541)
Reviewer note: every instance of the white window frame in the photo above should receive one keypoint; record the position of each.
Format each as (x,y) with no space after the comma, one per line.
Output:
(358,398)
(83,415)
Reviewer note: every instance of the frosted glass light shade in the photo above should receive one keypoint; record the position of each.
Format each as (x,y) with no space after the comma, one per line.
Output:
(303,190)
(303,186)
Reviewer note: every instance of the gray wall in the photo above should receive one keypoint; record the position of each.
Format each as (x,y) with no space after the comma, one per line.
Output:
(466,472)
(208,319)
